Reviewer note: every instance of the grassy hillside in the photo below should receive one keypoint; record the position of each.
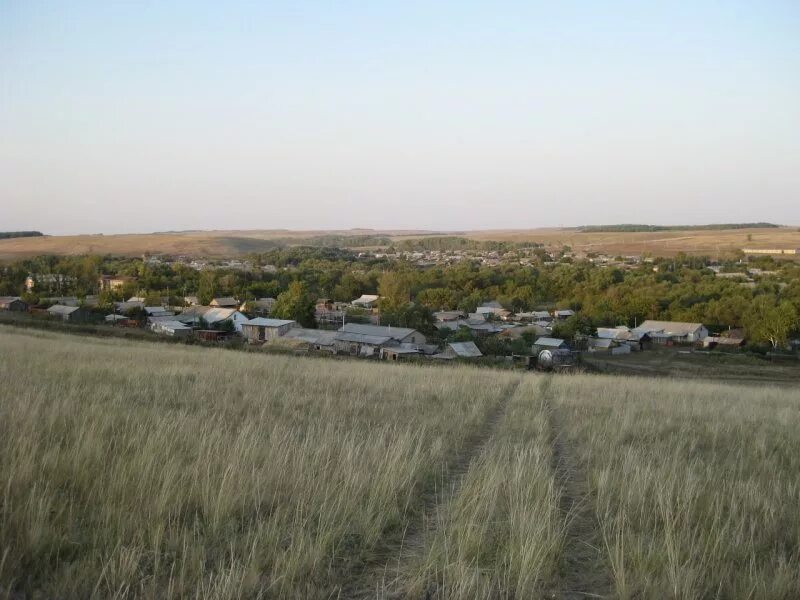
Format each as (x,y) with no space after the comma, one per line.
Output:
(658,242)
(134,470)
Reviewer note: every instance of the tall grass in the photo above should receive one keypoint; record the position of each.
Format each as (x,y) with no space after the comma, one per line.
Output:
(156,471)
(133,470)
(696,485)
(500,533)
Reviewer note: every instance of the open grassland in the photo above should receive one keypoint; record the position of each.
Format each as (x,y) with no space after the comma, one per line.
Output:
(137,470)
(717,243)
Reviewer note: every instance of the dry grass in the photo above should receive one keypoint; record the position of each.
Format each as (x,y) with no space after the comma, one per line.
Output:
(136,470)
(498,533)
(128,469)
(696,486)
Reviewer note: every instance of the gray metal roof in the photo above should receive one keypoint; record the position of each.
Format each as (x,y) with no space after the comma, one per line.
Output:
(60,309)
(360,338)
(549,342)
(397,333)
(465,349)
(262,322)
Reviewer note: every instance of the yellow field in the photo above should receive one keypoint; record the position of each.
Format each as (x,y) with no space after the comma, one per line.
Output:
(232,243)
(129,469)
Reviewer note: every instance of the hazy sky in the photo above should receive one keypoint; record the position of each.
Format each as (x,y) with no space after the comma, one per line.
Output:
(146,116)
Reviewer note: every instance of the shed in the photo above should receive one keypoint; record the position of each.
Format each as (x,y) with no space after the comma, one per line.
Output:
(14,303)
(548,343)
(68,313)
(460,350)
(262,329)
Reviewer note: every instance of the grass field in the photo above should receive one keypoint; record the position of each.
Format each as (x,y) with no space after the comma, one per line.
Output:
(716,243)
(136,470)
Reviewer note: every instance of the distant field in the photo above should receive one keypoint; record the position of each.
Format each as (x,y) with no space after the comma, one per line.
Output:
(233,243)
(134,470)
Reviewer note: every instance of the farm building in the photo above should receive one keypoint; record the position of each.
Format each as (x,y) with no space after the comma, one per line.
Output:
(608,346)
(722,343)
(262,329)
(317,339)
(226,302)
(171,328)
(68,313)
(213,317)
(113,319)
(459,350)
(548,343)
(399,352)
(366,301)
(360,344)
(14,303)
(401,335)
(672,332)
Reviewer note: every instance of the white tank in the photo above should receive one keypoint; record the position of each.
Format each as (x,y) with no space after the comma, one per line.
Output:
(550,359)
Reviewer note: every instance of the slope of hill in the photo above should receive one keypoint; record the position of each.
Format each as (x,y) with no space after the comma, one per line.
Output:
(174,471)
(713,242)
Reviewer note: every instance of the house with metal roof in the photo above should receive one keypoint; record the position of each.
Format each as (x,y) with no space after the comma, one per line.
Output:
(459,350)
(665,332)
(213,317)
(262,329)
(317,339)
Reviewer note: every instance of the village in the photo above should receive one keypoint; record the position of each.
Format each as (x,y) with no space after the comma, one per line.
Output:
(354,328)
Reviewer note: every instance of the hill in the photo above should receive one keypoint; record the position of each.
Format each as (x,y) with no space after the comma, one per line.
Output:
(128,469)
(707,241)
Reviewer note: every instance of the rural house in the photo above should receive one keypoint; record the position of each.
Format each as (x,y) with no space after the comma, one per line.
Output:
(226,302)
(263,330)
(672,332)
(401,335)
(14,303)
(214,317)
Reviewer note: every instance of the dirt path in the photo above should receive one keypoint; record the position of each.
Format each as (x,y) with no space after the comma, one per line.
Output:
(379,580)
(584,571)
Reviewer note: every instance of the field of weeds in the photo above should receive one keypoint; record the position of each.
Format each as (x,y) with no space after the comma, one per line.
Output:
(136,470)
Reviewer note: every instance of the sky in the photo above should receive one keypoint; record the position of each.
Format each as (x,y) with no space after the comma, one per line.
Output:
(153,116)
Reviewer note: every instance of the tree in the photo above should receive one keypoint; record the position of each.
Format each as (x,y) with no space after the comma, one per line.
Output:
(394,291)
(296,304)
(771,322)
